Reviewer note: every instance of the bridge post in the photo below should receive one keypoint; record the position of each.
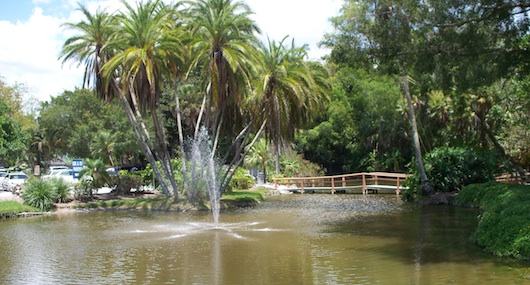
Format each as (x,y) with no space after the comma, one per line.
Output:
(365,189)
(398,190)
(332,185)
(275,183)
(302,186)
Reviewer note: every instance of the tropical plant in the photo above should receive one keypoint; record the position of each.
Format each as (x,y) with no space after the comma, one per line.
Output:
(258,156)
(132,69)
(452,168)
(61,188)
(38,193)
(287,91)
(95,171)
(125,182)
(103,145)
(93,46)
(241,181)
(223,42)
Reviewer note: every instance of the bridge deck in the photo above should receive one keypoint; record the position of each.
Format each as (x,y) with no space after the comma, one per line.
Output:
(364,181)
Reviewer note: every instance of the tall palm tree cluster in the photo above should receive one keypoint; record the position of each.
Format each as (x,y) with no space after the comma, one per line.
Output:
(249,88)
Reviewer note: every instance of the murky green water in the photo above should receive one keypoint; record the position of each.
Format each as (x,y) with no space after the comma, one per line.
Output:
(295,239)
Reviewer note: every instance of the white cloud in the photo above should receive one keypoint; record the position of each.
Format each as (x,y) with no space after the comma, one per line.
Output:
(30,49)
(29,53)
(304,20)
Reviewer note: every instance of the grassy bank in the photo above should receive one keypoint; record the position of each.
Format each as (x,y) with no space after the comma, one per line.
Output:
(12,208)
(243,198)
(504,226)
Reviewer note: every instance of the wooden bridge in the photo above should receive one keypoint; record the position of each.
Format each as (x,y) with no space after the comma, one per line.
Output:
(365,181)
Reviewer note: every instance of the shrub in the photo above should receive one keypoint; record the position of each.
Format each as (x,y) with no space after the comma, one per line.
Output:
(504,226)
(83,190)
(62,190)
(125,182)
(451,168)
(38,193)
(240,181)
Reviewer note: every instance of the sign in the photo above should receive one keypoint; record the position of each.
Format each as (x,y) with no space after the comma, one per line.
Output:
(77,165)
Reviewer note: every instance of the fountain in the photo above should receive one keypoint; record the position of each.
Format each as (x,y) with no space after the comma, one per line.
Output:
(203,173)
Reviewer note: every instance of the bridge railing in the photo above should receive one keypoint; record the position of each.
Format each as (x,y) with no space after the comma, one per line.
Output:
(514,177)
(364,181)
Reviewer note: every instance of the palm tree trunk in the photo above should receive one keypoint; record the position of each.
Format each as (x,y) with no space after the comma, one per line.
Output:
(139,122)
(166,158)
(181,136)
(141,139)
(426,186)
(226,180)
(201,113)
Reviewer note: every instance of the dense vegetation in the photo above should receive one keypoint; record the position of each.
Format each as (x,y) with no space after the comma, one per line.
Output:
(452,168)
(403,81)
(504,226)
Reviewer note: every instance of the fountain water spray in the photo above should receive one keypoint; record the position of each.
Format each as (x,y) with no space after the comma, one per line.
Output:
(204,172)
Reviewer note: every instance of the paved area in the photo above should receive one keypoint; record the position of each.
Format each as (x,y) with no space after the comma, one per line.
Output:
(8,196)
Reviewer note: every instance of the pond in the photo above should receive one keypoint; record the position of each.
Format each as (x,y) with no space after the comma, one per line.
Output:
(292,239)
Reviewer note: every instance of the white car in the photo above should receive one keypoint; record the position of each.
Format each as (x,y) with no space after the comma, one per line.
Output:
(3,176)
(66,174)
(14,182)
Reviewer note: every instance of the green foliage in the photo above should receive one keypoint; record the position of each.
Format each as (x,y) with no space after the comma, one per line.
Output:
(125,182)
(504,226)
(13,208)
(451,168)
(293,164)
(38,193)
(97,171)
(74,122)
(12,138)
(42,194)
(361,116)
(62,189)
(83,190)
(240,181)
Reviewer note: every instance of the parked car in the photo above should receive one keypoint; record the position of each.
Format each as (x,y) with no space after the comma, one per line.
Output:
(3,175)
(66,174)
(14,182)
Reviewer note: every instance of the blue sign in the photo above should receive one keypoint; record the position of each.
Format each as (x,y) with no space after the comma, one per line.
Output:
(77,165)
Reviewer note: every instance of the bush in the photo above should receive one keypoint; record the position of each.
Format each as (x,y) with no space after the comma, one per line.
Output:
(240,181)
(504,226)
(38,193)
(451,168)
(125,182)
(83,190)
(62,190)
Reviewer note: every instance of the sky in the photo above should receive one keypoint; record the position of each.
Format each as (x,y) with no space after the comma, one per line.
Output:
(31,36)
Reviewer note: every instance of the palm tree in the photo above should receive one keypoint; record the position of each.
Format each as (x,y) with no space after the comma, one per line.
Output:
(95,171)
(103,145)
(258,156)
(131,67)
(287,91)
(224,45)
(147,51)
(93,46)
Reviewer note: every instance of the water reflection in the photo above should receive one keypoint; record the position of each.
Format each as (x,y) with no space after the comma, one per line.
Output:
(296,239)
